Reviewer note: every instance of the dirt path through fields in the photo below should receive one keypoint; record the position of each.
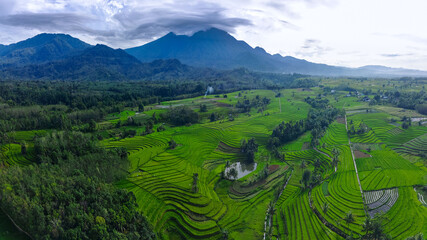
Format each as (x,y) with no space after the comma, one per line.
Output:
(354,160)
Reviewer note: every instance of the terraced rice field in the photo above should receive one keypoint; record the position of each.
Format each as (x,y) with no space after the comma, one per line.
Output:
(335,135)
(368,137)
(408,216)
(302,143)
(10,154)
(162,178)
(380,201)
(296,220)
(344,195)
(415,146)
(387,169)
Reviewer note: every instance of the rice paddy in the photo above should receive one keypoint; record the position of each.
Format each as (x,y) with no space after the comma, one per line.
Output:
(162,178)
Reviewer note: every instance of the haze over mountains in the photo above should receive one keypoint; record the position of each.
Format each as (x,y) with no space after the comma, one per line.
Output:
(60,56)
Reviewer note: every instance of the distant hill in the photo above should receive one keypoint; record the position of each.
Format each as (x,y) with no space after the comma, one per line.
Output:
(56,56)
(94,63)
(40,49)
(217,49)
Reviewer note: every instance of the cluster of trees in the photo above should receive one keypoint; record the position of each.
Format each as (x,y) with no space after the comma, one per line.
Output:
(409,100)
(249,148)
(286,132)
(421,108)
(257,102)
(362,128)
(49,117)
(70,193)
(373,228)
(406,122)
(181,115)
(85,94)
(318,103)
(317,121)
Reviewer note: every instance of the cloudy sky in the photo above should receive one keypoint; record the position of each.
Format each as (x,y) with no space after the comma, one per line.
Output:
(339,32)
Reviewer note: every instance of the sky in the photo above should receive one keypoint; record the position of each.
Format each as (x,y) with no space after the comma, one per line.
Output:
(349,33)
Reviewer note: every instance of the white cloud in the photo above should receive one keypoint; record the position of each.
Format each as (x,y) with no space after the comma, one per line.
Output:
(347,32)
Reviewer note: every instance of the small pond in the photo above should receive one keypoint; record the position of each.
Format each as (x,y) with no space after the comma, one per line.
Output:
(242,169)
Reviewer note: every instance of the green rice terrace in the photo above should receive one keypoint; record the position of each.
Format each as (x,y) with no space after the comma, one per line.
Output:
(241,172)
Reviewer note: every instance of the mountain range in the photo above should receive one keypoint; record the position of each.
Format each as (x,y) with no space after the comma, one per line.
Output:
(60,56)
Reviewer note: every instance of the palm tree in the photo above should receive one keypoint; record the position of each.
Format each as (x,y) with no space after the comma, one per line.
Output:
(367,226)
(303,164)
(349,218)
(224,234)
(271,211)
(335,161)
(335,152)
(325,207)
(317,163)
(195,178)
(306,177)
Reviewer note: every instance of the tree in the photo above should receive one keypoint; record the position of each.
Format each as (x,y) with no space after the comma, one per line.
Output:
(249,148)
(373,228)
(90,205)
(349,218)
(23,148)
(367,226)
(335,152)
(213,117)
(161,128)
(325,207)
(181,115)
(149,127)
(270,211)
(335,161)
(195,188)
(317,163)
(172,144)
(306,178)
(203,108)
(224,234)
(416,237)
(232,174)
(92,125)
(141,107)
(303,165)
(154,117)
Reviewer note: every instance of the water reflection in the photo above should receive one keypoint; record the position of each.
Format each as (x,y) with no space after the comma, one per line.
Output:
(240,170)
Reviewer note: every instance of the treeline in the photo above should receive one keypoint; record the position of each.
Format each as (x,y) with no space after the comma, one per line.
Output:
(48,117)
(317,122)
(70,193)
(409,100)
(97,92)
(45,104)
(318,102)
(258,102)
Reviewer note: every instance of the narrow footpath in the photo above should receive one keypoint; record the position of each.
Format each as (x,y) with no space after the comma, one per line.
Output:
(352,155)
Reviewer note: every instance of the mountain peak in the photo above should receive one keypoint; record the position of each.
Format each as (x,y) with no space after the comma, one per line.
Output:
(45,38)
(214,34)
(103,51)
(41,48)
